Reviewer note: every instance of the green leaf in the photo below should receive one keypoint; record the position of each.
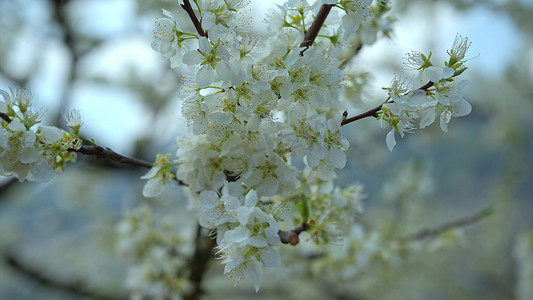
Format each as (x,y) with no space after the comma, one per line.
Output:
(304,208)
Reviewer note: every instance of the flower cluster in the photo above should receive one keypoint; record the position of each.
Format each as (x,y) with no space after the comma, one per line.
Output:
(28,150)
(158,263)
(433,93)
(256,106)
(159,175)
(265,111)
(367,249)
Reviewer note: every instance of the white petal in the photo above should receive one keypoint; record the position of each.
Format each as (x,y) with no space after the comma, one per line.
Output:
(223,70)
(462,108)
(428,117)
(447,72)
(257,241)
(391,141)
(4,137)
(237,235)
(461,85)
(243,214)
(312,160)
(326,172)
(416,98)
(434,74)
(208,198)
(270,257)
(29,155)
(205,77)
(16,125)
(253,123)
(272,235)
(51,134)
(208,21)
(444,119)
(221,117)
(28,139)
(337,158)
(199,124)
(251,198)
(254,273)
(269,186)
(153,171)
(192,57)
(223,53)
(231,202)
(168,14)
(153,188)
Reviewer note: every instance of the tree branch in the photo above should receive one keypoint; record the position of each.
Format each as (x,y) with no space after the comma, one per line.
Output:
(5,117)
(374,111)
(451,225)
(291,236)
(203,253)
(312,33)
(73,287)
(101,152)
(188,8)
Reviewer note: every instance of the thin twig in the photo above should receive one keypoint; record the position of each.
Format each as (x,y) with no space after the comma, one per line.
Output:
(101,152)
(74,287)
(107,153)
(451,225)
(312,33)
(188,8)
(374,111)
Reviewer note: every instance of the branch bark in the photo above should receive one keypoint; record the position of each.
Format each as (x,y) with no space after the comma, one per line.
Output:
(312,33)
(74,287)
(107,153)
(426,233)
(101,152)
(188,8)
(374,111)
(5,117)
(203,253)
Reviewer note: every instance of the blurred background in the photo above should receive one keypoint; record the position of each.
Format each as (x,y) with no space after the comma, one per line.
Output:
(58,239)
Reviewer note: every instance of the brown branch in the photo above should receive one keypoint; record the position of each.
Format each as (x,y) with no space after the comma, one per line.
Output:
(371,113)
(203,253)
(5,117)
(291,236)
(374,111)
(451,225)
(312,33)
(74,287)
(188,8)
(107,153)
(101,152)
